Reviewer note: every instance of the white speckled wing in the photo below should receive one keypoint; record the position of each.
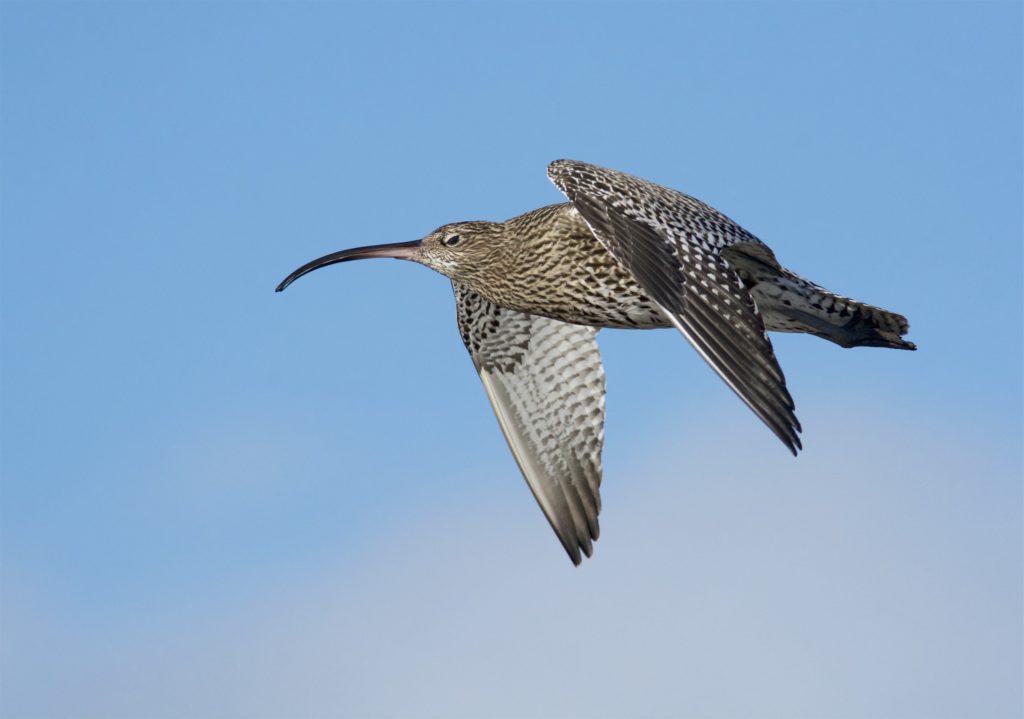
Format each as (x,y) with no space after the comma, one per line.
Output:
(672,245)
(546,384)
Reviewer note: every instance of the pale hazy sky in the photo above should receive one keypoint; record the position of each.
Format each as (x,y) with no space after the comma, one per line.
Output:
(221,502)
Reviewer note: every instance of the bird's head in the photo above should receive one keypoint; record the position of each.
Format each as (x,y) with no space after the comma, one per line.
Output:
(461,251)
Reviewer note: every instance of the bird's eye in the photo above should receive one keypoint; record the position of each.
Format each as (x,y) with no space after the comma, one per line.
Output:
(452,241)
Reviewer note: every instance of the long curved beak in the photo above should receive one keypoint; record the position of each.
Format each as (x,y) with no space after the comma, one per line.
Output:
(398,250)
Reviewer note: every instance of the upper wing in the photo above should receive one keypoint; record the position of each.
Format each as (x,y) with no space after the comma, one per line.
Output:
(672,243)
(546,384)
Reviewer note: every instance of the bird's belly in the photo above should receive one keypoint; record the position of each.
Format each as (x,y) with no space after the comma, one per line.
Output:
(623,310)
(640,315)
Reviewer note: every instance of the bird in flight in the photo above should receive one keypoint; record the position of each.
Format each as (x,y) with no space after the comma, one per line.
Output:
(532,292)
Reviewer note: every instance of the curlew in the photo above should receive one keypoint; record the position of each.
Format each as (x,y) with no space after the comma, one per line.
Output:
(532,292)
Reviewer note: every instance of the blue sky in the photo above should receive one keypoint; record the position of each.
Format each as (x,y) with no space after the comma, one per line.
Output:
(222,502)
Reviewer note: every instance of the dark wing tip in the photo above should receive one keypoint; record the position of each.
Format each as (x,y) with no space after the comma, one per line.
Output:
(796,446)
(573,550)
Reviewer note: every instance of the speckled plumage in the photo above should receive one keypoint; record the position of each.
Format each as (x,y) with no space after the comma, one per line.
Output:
(531,293)
(546,384)
(555,268)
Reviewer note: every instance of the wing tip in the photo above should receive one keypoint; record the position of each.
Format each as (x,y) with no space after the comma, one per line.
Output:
(788,433)
(577,547)
(574,553)
(795,446)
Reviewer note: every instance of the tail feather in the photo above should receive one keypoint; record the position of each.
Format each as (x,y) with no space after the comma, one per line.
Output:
(789,303)
(847,322)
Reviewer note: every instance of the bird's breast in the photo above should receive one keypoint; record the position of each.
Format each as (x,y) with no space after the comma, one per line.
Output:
(564,273)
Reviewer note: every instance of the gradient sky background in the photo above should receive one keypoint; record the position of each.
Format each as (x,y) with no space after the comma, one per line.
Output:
(222,502)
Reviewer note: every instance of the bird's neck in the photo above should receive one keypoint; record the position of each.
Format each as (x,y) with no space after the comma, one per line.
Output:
(540,258)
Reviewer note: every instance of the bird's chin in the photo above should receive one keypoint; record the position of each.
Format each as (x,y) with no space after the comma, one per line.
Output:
(438,264)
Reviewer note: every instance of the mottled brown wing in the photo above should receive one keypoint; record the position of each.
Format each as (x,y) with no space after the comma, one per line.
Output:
(546,384)
(672,245)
